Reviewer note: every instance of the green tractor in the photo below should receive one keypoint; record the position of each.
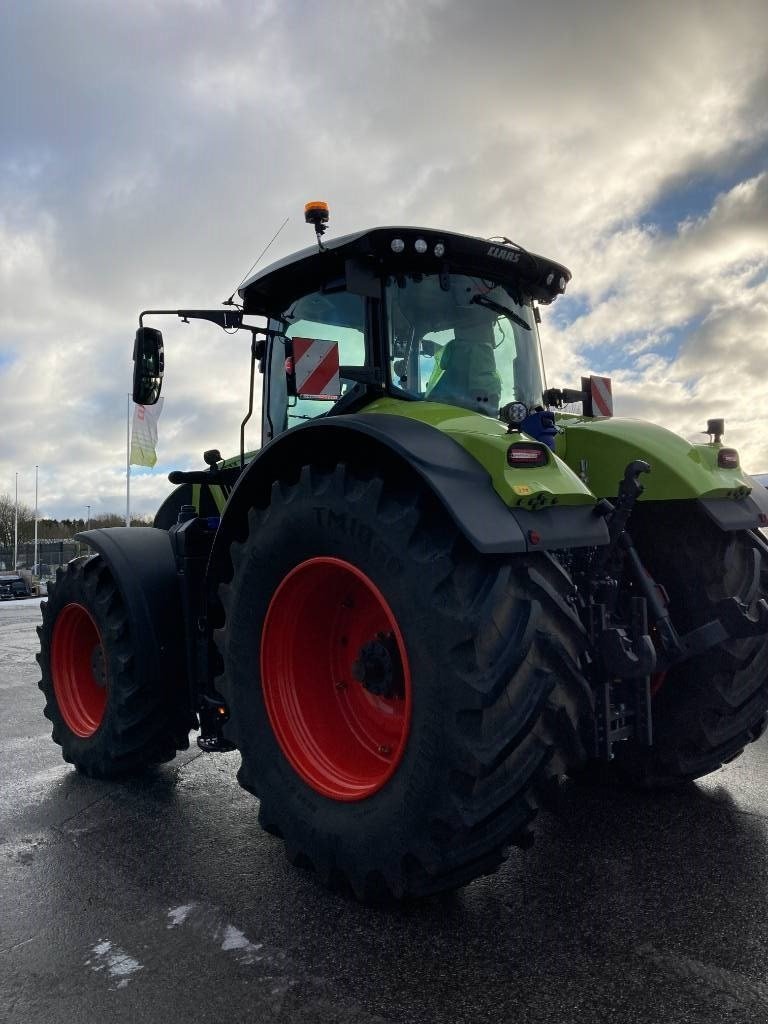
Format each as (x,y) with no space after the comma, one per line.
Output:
(432,592)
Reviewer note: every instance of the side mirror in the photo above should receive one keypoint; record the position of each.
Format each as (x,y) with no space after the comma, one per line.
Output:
(148,366)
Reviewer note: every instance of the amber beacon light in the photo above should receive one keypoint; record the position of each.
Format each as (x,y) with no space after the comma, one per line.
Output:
(316,213)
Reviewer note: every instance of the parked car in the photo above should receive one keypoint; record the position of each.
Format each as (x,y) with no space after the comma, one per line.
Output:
(13,586)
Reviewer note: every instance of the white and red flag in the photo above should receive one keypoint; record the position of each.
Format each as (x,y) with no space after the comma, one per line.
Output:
(144,434)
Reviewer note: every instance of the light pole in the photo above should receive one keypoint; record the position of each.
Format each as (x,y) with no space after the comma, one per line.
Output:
(88,522)
(16,528)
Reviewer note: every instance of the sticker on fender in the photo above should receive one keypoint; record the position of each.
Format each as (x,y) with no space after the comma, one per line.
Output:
(316,365)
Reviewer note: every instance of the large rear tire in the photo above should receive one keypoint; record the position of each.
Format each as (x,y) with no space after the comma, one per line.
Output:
(705,710)
(107,720)
(401,703)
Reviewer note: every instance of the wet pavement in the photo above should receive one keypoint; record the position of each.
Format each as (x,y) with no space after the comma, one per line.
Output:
(161,899)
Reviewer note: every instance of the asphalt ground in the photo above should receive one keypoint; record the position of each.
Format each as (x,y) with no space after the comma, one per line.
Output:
(161,900)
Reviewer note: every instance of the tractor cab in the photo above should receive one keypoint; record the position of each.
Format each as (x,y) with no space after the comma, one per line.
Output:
(403,313)
(409,313)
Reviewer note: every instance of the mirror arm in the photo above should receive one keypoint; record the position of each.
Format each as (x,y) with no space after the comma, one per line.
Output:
(224,318)
(156,312)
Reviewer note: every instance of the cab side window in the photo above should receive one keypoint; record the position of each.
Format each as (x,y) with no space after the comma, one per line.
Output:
(333,317)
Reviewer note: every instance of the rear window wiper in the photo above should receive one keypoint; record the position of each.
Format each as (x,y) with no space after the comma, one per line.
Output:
(483,300)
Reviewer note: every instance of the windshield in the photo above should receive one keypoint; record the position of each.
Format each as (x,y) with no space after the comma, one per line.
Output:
(463,340)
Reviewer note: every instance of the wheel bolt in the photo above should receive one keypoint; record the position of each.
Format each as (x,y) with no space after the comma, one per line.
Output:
(385,749)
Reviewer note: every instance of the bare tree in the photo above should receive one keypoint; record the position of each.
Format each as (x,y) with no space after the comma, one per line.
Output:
(26,521)
(113,519)
(54,529)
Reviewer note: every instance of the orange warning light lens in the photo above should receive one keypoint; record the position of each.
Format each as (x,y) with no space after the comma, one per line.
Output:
(316,212)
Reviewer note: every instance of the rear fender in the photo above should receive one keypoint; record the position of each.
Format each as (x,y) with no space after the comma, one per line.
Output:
(749,512)
(410,451)
(599,450)
(144,570)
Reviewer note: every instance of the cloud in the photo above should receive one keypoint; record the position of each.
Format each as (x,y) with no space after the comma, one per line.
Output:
(687,321)
(149,151)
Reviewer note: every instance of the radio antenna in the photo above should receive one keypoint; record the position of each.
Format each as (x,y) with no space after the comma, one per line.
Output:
(231,300)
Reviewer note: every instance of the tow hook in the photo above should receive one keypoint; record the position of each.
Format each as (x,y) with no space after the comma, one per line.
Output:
(625,653)
(623,695)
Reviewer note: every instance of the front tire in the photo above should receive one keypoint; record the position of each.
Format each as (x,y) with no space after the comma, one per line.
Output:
(400,702)
(108,721)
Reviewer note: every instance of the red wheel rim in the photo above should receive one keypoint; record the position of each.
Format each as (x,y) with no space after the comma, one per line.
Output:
(79,670)
(343,740)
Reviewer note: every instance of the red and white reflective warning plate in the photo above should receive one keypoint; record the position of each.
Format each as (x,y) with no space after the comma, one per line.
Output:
(602,397)
(316,366)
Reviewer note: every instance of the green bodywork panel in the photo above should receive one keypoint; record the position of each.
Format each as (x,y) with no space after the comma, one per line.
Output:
(600,449)
(218,494)
(487,440)
(591,456)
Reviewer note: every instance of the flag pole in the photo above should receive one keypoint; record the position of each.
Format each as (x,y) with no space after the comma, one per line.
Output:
(128,462)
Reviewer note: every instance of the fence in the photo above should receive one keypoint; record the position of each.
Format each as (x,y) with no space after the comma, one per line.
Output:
(50,553)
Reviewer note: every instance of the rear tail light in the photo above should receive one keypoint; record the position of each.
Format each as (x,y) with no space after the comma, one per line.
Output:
(529,456)
(728,458)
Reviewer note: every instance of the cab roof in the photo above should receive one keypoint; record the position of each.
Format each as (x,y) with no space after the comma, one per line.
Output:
(371,254)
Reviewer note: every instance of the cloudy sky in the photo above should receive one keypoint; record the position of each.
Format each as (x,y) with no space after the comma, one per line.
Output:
(150,149)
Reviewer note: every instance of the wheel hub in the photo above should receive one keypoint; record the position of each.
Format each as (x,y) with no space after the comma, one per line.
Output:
(379,668)
(99,666)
